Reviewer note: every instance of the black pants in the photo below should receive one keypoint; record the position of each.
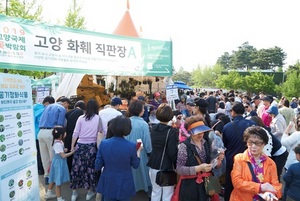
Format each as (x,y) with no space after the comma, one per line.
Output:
(280,162)
(228,184)
(39,160)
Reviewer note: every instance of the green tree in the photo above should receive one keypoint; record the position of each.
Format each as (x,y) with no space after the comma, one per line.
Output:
(242,58)
(26,10)
(225,60)
(270,58)
(233,80)
(256,82)
(206,76)
(248,57)
(73,18)
(183,75)
(23,9)
(290,87)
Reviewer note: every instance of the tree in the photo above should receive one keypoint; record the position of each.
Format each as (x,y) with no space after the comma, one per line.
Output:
(242,58)
(73,18)
(30,11)
(24,9)
(206,76)
(233,80)
(270,58)
(290,87)
(225,60)
(256,82)
(248,57)
(183,75)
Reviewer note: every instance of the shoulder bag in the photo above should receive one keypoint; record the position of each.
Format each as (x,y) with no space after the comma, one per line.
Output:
(165,177)
(211,183)
(254,178)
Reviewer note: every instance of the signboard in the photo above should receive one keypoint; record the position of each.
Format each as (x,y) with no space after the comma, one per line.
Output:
(18,168)
(172,92)
(30,45)
(41,93)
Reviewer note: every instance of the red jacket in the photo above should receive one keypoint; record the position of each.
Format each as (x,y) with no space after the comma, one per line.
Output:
(244,187)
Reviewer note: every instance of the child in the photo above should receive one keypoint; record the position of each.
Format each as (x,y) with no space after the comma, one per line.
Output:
(59,172)
(292,179)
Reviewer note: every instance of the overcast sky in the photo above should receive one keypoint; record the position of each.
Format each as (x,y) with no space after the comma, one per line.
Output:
(201,30)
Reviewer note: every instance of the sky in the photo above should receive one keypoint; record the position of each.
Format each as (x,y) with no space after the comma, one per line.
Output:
(201,30)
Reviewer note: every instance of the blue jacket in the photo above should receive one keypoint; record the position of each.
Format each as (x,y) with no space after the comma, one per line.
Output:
(117,155)
(38,110)
(292,181)
(233,138)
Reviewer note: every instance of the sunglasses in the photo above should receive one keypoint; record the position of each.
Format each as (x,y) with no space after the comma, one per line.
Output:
(246,106)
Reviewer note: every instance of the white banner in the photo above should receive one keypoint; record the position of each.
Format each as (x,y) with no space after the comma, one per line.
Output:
(30,45)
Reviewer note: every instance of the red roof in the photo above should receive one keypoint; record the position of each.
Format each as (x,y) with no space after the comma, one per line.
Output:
(126,26)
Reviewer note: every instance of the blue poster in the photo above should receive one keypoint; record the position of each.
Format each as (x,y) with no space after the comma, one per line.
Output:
(18,165)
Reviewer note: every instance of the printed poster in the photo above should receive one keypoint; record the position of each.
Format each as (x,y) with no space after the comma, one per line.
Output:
(172,92)
(41,93)
(18,165)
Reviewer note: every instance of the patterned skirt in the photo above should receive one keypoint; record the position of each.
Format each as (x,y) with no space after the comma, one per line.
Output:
(83,174)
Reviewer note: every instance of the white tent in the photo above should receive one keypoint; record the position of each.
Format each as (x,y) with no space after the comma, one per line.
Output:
(68,85)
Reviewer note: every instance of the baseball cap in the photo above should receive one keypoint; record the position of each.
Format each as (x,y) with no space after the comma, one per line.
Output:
(255,97)
(156,94)
(201,102)
(268,98)
(190,102)
(141,98)
(116,101)
(272,110)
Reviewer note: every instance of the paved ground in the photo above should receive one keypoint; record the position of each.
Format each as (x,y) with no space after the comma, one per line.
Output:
(66,193)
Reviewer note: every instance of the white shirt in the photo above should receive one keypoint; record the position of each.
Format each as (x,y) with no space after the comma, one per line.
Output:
(290,142)
(58,147)
(106,115)
(227,108)
(278,126)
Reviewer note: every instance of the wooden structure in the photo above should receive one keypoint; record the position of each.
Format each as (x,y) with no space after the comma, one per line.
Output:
(89,90)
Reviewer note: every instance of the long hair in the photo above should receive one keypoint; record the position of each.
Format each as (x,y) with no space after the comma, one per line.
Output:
(207,119)
(92,108)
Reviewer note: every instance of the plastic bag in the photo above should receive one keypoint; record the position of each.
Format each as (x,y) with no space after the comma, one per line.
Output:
(217,147)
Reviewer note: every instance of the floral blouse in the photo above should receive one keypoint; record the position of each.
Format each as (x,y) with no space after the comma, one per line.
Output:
(258,168)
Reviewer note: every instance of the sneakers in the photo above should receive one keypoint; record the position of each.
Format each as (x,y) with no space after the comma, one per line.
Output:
(89,195)
(50,195)
(60,199)
(46,180)
(74,196)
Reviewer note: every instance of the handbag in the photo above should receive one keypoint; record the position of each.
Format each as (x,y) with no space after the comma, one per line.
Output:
(165,177)
(211,183)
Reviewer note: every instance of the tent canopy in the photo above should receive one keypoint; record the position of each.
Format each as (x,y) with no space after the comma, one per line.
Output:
(45,81)
(182,85)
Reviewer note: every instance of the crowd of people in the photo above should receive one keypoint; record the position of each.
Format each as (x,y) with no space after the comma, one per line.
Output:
(114,153)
